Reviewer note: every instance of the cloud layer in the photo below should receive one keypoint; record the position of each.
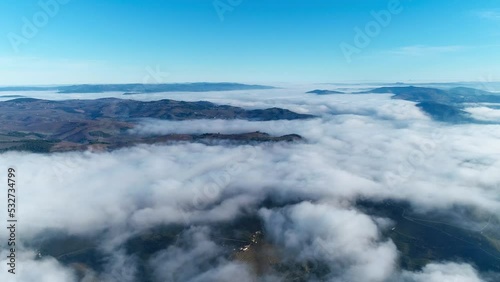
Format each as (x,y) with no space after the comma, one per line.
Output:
(360,146)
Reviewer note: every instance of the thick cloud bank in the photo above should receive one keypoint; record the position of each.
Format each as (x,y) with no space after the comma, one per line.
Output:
(452,272)
(360,146)
(347,241)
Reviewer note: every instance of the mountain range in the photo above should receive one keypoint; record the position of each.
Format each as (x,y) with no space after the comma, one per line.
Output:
(137,88)
(47,126)
(446,105)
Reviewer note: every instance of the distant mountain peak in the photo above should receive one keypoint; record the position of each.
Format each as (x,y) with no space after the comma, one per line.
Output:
(137,88)
(324,92)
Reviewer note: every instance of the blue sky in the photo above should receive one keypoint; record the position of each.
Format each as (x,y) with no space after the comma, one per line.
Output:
(263,41)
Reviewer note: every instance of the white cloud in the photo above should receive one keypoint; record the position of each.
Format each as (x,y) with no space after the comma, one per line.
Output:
(489,15)
(443,272)
(484,113)
(347,241)
(361,145)
(30,269)
(200,260)
(159,127)
(423,50)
